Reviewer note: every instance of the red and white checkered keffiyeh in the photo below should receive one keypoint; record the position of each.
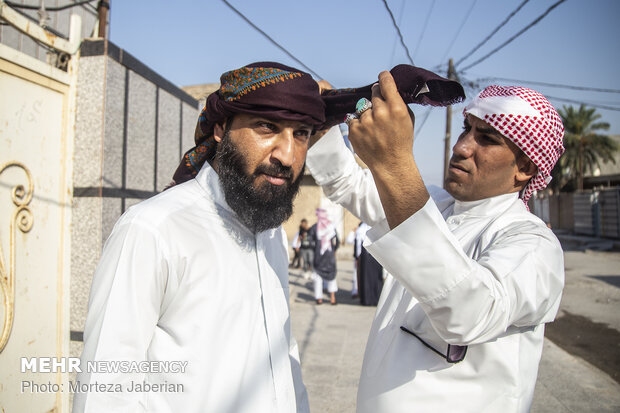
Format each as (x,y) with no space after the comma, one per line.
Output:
(325,230)
(528,119)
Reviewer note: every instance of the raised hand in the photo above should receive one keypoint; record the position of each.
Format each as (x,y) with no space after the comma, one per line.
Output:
(383,138)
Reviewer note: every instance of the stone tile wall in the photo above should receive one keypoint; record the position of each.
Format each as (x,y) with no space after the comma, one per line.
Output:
(132,126)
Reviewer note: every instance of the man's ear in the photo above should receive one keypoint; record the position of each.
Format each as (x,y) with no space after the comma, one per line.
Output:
(218,131)
(525,169)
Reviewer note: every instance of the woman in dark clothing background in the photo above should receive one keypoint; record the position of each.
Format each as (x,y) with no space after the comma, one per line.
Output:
(326,244)
(369,271)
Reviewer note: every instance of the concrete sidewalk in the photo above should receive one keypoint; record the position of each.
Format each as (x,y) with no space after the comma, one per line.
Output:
(332,340)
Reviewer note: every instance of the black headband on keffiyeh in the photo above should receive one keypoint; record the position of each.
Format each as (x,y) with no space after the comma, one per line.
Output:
(280,92)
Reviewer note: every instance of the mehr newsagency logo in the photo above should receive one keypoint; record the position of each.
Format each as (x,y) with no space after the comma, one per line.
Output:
(101,367)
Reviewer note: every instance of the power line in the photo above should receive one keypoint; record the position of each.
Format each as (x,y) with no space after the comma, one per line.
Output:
(583,103)
(539,18)
(400,20)
(428,112)
(58,8)
(502,24)
(459,30)
(558,85)
(428,16)
(400,35)
(248,21)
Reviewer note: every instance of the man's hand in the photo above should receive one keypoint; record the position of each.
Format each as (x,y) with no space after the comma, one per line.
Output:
(383,139)
(383,136)
(324,85)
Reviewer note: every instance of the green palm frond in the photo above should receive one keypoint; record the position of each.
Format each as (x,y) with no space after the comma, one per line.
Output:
(585,147)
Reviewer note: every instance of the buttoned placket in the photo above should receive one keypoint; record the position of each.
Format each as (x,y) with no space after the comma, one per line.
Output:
(261,283)
(277,348)
(453,222)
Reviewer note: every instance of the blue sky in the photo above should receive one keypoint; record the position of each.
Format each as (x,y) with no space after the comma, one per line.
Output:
(350,42)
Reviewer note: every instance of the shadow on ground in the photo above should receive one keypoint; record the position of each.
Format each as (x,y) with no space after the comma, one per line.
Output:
(594,342)
(609,279)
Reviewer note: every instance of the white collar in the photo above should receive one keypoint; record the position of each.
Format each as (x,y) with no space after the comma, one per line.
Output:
(485,207)
(209,181)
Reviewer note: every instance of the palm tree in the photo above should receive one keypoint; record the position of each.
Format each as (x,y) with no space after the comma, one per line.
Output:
(585,147)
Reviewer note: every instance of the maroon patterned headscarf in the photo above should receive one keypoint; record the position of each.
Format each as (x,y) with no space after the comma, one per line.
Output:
(267,89)
(280,92)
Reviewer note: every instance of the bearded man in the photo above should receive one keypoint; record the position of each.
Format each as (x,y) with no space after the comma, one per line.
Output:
(474,275)
(197,276)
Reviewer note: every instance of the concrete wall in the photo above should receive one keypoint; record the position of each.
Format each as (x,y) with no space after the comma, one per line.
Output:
(132,127)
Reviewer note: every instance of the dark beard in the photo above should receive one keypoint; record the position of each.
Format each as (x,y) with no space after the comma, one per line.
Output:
(260,208)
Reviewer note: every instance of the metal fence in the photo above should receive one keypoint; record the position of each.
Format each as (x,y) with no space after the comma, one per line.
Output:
(592,213)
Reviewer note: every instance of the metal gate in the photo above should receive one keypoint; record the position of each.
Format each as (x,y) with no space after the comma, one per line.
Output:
(37,104)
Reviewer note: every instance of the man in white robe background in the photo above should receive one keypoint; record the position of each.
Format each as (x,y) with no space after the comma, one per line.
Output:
(474,275)
(199,273)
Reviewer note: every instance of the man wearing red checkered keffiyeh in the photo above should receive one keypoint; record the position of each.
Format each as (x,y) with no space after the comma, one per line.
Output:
(528,119)
(474,275)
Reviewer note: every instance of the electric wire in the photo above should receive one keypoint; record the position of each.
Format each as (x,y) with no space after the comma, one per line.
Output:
(400,35)
(486,39)
(426,115)
(583,103)
(248,21)
(45,26)
(428,17)
(556,85)
(57,8)
(400,20)
(519,33)
(459,30)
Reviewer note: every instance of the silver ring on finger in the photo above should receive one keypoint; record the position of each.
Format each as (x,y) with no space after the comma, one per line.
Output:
(362,106)
(350,117)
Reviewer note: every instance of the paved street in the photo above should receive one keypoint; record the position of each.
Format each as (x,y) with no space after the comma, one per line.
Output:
(332,340)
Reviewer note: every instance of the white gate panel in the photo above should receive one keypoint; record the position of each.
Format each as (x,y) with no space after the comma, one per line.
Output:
(34,228)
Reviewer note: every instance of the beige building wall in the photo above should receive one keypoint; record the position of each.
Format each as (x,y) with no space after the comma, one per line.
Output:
(201,92)
(307,201)
(310,197)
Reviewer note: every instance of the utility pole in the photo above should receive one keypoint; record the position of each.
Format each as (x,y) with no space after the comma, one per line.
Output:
(447,142)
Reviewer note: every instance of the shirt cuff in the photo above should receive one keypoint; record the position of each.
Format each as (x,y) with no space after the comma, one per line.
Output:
(421,253)
(329,157)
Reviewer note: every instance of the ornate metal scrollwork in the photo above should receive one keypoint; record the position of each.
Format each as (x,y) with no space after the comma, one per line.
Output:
(22,219)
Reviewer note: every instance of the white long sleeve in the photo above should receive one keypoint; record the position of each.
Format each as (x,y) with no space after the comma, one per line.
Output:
(514,282)
(126,297)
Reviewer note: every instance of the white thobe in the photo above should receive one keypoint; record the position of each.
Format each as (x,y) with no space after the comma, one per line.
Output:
(487,274)
(181,279)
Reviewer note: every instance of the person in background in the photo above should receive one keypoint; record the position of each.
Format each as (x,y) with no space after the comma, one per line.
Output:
(351,240)
(296,245)
(306,247)
(369,271)
(324,267)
